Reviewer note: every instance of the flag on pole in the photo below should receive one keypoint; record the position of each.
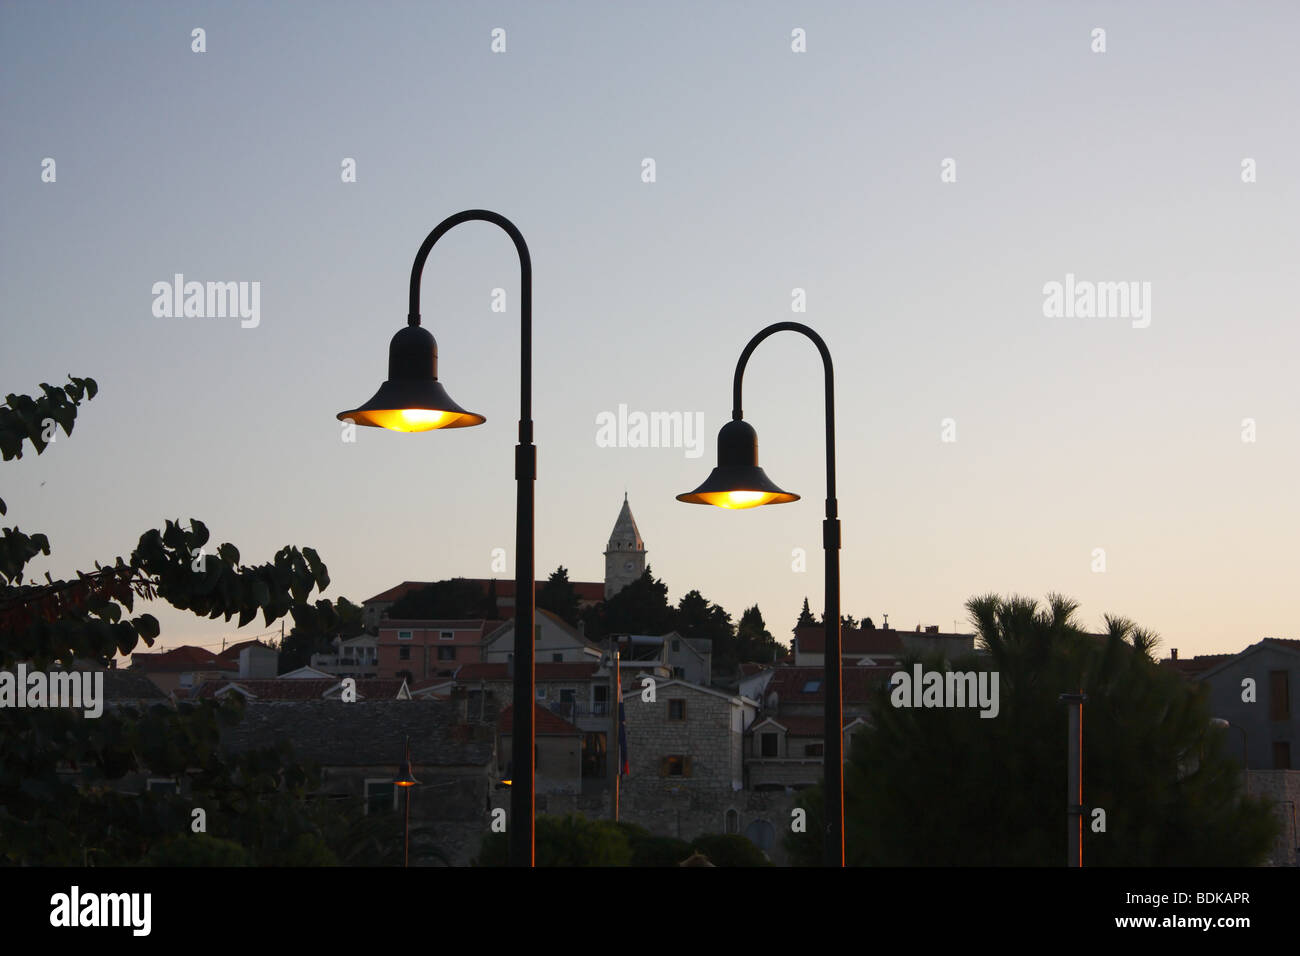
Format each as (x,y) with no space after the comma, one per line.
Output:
(623,769)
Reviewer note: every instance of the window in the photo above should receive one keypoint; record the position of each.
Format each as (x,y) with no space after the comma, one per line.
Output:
(731,822)
(812,687)
(677,645)
(447,636)
(444,653)
(403,635)
(677,710)
(1281,755)
(537,632)
(679,673)
(381,796)
(568,696)
(1279,695)
(675,765)
(161,785)
(557,658)
(541,693)
(814,750)
(770,745)
(403,653)
(599,700)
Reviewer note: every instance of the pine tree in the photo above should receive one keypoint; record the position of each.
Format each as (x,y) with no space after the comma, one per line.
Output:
(806,618)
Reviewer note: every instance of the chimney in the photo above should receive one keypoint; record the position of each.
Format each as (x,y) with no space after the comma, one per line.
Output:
(886,622)
(1173,654)
(932,629)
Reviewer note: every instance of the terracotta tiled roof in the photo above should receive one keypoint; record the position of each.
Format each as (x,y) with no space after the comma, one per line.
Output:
(545,723)
(593,591)
(231,653)
(812,640)
(1191,667)
(542,670)
(433,624)
(183,658)
(1285,641)
(790,683)
(798,725)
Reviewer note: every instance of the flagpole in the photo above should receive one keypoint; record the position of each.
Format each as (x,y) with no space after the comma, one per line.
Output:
(617,738)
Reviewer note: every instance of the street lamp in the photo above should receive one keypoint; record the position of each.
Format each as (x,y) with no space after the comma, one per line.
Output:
(413,400)
(406,780)
(739,483)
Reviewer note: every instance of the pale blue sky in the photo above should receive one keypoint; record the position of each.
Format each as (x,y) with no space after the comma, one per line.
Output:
(775,170)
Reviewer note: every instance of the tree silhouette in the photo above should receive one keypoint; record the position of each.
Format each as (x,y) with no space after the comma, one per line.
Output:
(558,596)
(969,791)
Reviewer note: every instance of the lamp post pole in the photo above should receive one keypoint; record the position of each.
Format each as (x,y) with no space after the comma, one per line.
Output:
(1074,779)
(521,788)
(833,748)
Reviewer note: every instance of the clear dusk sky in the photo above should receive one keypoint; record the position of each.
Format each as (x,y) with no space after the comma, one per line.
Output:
(774,170)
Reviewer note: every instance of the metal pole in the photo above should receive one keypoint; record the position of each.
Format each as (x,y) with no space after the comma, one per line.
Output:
(522,799)
(614,748)
(833,713)
(1074,780)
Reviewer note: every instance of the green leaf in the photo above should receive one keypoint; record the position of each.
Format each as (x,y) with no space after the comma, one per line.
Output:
(146,625)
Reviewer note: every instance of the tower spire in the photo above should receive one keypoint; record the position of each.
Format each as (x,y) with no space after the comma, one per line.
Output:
(625,553)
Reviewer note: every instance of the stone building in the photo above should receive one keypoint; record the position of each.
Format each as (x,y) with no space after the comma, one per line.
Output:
(360,747)
(689,736)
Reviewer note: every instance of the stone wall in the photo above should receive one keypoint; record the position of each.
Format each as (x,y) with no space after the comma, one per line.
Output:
(705,736)
(683,813)
(1283,788)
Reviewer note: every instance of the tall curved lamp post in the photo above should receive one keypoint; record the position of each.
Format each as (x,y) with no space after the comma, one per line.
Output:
(413,400)
(738,482)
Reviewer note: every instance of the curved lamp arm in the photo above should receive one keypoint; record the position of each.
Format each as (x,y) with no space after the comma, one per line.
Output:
(737,413)
(525,291)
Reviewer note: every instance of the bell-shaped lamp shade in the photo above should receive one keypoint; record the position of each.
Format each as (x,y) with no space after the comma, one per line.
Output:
(404,776)
(738,482)
(412,400)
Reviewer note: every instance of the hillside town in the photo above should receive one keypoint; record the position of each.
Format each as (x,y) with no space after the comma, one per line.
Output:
(709,751)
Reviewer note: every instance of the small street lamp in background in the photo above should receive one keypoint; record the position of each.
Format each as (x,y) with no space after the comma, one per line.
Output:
(406,780)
